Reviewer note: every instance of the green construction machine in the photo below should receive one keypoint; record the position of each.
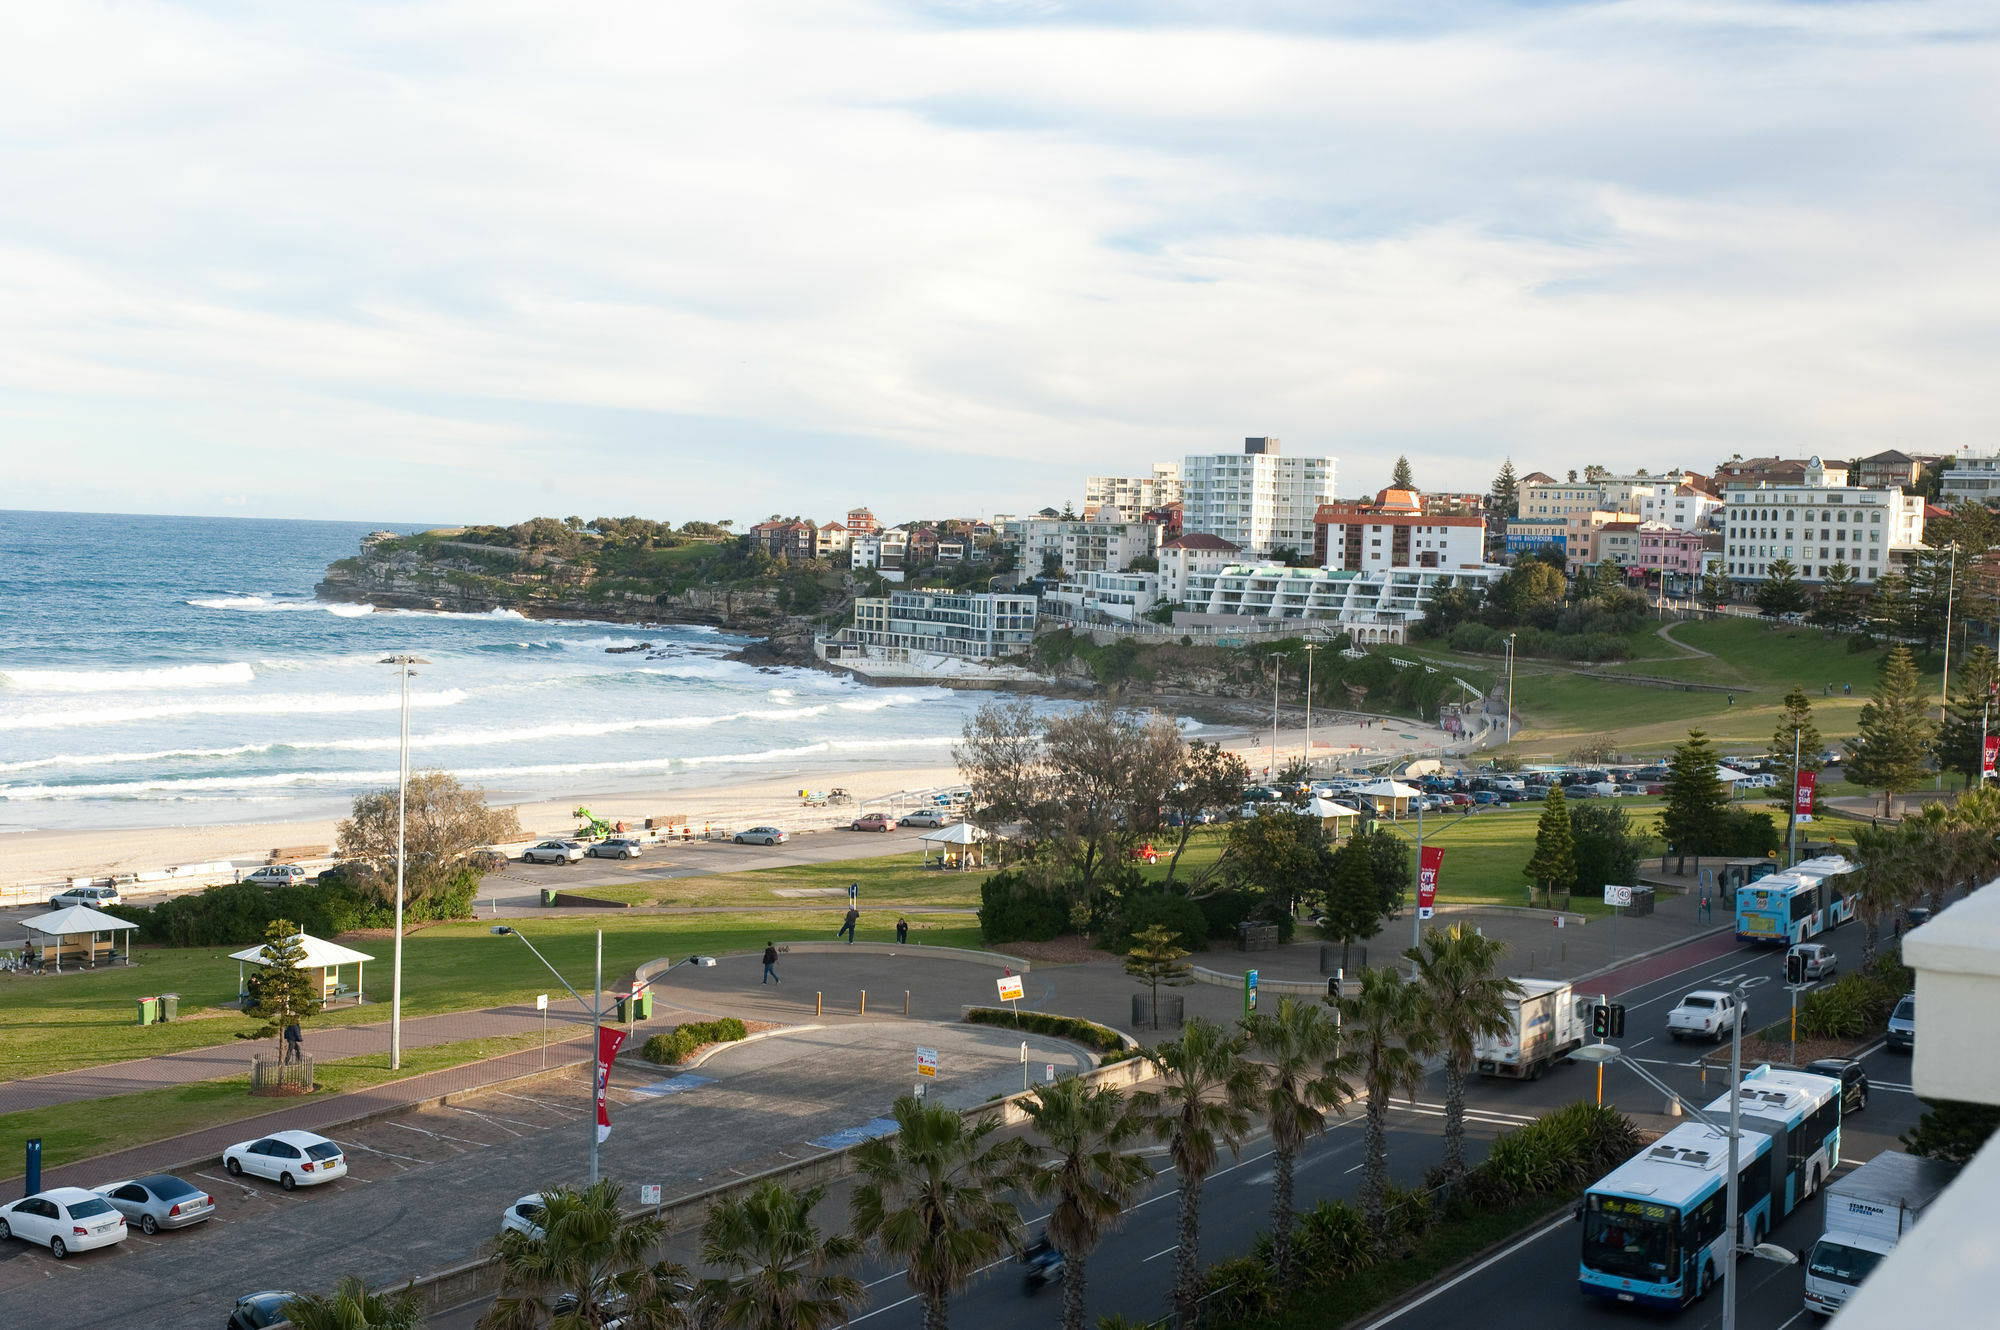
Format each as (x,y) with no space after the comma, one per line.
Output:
(593,828)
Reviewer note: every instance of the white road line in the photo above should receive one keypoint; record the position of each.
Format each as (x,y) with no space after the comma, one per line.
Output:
(440,1136)
(1358,1167)
(1498,1256)
(1158,1254)
(1641,1044)
(356,1145)
(501,1123)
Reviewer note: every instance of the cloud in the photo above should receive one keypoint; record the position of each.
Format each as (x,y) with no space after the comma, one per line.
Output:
(950,257)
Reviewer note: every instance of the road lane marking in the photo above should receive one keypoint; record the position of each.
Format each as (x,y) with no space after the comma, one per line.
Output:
(1158,1254)
(1497,1257)
(436,1135)
(356,1145)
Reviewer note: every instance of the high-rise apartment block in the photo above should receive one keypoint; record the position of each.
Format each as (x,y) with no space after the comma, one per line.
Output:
(1258,500)
(1134,494)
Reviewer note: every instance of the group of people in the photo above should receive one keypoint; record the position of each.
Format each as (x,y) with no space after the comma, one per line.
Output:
(847,926)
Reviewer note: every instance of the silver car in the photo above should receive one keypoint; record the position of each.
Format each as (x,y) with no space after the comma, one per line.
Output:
(95,898)
(553,852)
(277,875)
(760,836)
(157,1201)
(928,817)
(617,847)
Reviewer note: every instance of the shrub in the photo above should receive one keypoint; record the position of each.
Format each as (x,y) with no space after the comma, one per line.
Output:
(1175,912)
(1558,1152)
(1091,1035)
(1239,1292)
(678,1044)
(1845,1009)
(1226,909)
(1409,1215)
(1013,909)
(343,899)
(1332,1241)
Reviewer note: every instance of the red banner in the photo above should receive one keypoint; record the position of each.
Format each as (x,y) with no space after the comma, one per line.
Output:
(1802,796)
(1990,753)
(609,1039)
(1428,863)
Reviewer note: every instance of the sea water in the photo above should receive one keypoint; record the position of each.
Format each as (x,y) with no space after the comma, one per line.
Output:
(177,670)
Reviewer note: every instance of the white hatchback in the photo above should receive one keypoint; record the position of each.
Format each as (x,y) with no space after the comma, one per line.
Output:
(288,1158)
(525,1217)
(63,1219)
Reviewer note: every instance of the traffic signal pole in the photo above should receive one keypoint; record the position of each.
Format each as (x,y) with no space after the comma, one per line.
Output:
(1603,1005)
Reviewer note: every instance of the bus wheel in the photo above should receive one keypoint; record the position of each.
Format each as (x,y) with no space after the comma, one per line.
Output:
(1706,1281)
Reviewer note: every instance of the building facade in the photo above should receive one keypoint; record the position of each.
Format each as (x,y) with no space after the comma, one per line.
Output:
(1682,507)
(1974,478)
(1120,596)
(1557,499)
(1752,472)
(1085,547)
(1134,494)
(1525,535)
(1580,535)
(1184,557)
(1891,470)
(977,626)
(1259,499)
(1395,532)
(1817,526)
(1375,607)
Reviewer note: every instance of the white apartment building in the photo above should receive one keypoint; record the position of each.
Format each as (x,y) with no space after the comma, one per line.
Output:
(864,549)
(1816,527)
(1395,532)
(1122,596)
(1258,500)
(977,625)
(1374,607)
(1134,494)
(1086,547)
(1682,508)
(1185,557)
(1974,478)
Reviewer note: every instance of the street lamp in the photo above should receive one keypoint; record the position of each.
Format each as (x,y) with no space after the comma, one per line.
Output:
(1510,688)
(1310,648)
(402,663)
(1944,685)
(596,1010)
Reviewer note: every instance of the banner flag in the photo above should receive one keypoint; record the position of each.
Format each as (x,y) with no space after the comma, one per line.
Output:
(1428,864)
(1802,796)
(609,1040)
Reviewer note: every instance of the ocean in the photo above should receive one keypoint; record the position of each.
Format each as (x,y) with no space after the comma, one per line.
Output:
(177,671)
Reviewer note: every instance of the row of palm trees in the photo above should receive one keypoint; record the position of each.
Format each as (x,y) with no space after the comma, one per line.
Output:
(1924,858)
(934,1196)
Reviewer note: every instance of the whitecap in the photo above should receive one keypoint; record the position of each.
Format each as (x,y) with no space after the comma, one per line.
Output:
(109,681)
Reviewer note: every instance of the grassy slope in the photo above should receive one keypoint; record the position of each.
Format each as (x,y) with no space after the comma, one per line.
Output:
(1484,853)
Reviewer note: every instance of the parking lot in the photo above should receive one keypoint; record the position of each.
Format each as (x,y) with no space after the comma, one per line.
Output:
(425,1188)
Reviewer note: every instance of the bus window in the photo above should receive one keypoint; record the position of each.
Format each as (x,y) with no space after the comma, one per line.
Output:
(1802,905)
(1630,1247)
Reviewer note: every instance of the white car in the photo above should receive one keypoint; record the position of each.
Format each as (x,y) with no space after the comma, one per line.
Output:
(95,898)
(1818,960)
(928,817)
(1703,1012)
(553,852)
(524,1216)
(288,1158)
(63,1219)
(277,875)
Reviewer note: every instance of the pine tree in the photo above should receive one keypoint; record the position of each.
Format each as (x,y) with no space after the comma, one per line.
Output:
(1781,593)
(1714,588)
(1155,957)
(1695,800)
(1839,603)
(281,990)
(1968,720)
(1353,904)
(1895,735)
(1401,478)
(1554,861)
(1797,718)
(1890,609)
(1506,495)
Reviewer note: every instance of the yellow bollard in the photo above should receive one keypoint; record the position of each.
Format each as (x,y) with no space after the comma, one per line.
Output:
(906,1002)
(819,1004)
(864,1002)
(1600,1085)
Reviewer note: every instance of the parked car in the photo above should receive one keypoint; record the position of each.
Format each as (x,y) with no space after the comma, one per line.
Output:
(1486,797)
(95,898)
(929,817)
(616,847)
(873,822)
(1820,962)
(759,836)
(488,861)
(524,1216)
(1509,796)
(63,1219)
(255,1311)
(157,1201)
(1703,1012)
(553,852)
(288,1158)
(1461,800)
(1853,1078)
(277,875)
(1902,1032)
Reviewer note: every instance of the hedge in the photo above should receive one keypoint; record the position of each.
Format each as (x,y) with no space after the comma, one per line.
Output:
(237,913)
(1088,1033)
(678,1044)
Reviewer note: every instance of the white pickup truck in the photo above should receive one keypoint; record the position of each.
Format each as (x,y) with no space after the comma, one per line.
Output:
(1703,1013)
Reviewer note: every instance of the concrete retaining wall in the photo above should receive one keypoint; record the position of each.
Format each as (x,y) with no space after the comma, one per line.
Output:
(1287,987)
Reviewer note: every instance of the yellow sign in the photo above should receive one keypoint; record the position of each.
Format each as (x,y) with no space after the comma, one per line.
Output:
(927,1063)
(1010,988)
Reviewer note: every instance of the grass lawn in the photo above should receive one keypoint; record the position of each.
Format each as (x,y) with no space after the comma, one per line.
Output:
(1484,852)
(79,1020)
(70,1131)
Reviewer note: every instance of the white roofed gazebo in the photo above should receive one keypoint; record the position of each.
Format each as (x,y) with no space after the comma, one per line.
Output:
(1393,793)
(77,931)
(1329,813)
(958,844)
(326,957)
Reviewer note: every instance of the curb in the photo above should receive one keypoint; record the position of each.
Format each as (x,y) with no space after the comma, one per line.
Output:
(708,1051)
(646,972)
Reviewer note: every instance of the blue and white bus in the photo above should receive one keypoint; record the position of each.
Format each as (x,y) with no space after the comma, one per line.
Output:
(1653,1226)
(1798,903)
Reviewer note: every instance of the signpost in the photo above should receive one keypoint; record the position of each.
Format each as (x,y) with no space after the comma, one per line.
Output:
(1616,897)
(1024,1064)
(927,1064)
(542,1005)
(853,892)
(1011,991)
(1249,992)
(649,1194)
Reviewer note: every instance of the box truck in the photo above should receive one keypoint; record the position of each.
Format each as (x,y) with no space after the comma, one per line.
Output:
(1544,1023)
(1867,1213)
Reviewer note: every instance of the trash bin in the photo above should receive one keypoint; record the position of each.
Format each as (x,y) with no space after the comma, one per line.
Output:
(548,895)
(642,1005)
(624,1008)
(1642,901)
(149,1010)
(170,1006)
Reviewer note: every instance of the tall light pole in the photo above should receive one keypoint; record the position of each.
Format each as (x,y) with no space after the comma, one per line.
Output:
(1310,648)
(1510,688)
(596,1010)
(1944,686)
(1277,673)
(402,663)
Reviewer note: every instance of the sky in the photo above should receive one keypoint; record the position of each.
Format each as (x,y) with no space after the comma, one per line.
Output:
(479,260)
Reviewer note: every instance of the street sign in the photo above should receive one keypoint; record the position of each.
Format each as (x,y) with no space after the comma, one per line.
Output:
(927,1063)
(853,891)
(1617,895)
(1010,988)
(542,1002)
(649,1193)
(1051,1071)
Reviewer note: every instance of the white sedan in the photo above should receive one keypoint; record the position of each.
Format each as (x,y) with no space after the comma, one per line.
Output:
(288,1158)
(553,852)
(63,1219)
(524,1216)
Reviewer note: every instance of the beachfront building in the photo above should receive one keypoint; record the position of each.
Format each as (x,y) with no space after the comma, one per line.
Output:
(1554,500)
(1374,606)
(862,522)
(1749,473)
(1678,558)
(1974,478)
(1888,470)
(864,550)
(1580,535)
(834,538)
(1395,532)
(1104,595)
(1183,557)
(1081,547)
(1259,500)
(1817,526)
(972,625)
(1134,494)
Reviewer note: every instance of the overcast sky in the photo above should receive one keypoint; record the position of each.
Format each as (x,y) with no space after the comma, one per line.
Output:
(482,260)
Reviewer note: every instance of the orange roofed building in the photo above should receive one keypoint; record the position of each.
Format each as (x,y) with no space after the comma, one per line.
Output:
(1395,532)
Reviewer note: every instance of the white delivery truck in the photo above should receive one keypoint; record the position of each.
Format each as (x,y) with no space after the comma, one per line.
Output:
(1543,1024)
(1866,1213)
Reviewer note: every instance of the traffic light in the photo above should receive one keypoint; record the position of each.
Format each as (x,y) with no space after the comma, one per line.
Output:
(1795,968)
(1617,1020)
(1600,1021)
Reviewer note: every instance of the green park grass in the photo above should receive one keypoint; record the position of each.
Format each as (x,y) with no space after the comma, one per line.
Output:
(118,1122)
(58,1023)
(1484,852)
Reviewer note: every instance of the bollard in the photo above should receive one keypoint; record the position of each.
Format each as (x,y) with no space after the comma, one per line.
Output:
(1674,1107)
(819,1004)
(906,1002)
(864,1002)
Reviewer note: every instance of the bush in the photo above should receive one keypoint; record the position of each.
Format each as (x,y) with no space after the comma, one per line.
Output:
(1745,835)
(1013,909)
(343,899)
(1558,1152)
(678,1044)
(1091,1035)
(1332,1240)
(1239,1292)
(1175,912)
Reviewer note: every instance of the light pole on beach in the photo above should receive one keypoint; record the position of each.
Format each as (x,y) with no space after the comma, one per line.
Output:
(402,663)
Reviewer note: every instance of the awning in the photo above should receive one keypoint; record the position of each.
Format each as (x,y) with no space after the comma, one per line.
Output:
(318,952)
(76,919)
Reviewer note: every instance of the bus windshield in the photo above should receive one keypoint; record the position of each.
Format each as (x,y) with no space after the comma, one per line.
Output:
(1630,1247)
(1842,1264)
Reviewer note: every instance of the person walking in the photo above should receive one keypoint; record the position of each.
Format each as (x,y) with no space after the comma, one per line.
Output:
(1705,908)
(771,963)
(295,1043)
(902,929)
(847,926)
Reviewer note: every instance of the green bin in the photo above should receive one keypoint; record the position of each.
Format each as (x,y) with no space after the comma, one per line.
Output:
(548,895)
(624,1009)
(149,1010)
(170,1006)
(642,1005)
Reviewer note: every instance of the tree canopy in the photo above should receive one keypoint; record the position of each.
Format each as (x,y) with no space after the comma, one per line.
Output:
(445,821)
(1895,735)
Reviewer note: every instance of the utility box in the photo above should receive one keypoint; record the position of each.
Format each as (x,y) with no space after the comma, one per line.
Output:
(642,1004)
(1255,935)
(549,895)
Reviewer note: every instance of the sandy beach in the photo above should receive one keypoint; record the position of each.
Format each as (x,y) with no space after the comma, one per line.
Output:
(46,856)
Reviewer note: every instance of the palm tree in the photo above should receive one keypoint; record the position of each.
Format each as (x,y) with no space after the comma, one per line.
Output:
(1464,999)
(1977,817)
(590,1265)
(780,1273)
(1203,1107)
(1383,1028)
(352,1307)
(1881,881)
(1299,1080)
(1086,1171)
(929,1197)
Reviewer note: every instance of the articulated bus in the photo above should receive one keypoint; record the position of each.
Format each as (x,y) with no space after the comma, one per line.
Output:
(1653,1226)
(1794,905)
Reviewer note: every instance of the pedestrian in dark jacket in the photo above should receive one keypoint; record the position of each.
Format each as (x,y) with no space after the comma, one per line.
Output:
(295,1043)
(847,927)
(770,963)
(902,930)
